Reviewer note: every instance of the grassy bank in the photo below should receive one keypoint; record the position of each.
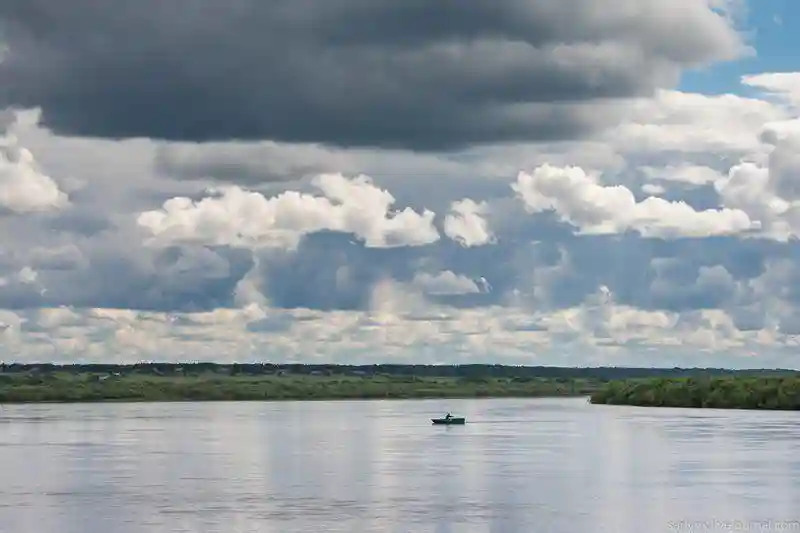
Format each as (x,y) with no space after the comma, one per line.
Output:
(68,387)
(738,392)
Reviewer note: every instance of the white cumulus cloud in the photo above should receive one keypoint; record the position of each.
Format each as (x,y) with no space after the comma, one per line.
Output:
(466,225)
(24,188)
(580,200)
(238,216)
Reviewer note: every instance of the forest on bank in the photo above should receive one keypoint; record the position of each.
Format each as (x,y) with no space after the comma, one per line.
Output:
(777,392)
(266,381)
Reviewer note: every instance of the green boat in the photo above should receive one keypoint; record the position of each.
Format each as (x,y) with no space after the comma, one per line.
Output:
(449,420)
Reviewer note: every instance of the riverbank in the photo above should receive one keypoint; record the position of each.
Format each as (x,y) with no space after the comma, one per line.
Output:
(737,392)
(62,387)
(161,382)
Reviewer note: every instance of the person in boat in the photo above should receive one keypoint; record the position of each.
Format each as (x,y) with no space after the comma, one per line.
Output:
(448,417)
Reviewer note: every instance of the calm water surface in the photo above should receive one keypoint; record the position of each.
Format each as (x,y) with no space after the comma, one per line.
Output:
(545,465)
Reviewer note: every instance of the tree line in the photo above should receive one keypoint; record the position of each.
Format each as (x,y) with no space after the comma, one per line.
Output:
(731,392)
(457,371)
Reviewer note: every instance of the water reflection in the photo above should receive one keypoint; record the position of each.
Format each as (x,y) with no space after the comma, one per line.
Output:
(517,466)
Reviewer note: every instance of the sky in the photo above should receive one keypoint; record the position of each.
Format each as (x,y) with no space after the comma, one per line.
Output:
(537,182)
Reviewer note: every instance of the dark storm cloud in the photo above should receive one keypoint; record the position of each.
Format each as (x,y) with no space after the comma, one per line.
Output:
(397,73)
(207,161)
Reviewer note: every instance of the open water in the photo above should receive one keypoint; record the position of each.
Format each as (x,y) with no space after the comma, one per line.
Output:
(527,466)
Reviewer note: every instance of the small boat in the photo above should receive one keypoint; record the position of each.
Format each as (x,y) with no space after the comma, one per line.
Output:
(449,420)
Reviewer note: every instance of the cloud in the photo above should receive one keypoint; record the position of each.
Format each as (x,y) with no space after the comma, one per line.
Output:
(251,163)
(401,73)
(237,216)
(115,270)
(670,137)
(596,332)
(685,126)
(713,287)
(785,85)
(23,186)
(578,199)
(446,283)
(466,225)
(683,173)
(665,238)
(257,163)
(768,189)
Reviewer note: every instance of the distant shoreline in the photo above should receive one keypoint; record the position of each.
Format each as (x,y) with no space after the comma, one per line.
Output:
(776,393)
(297,399)
(91,388)
(162,382)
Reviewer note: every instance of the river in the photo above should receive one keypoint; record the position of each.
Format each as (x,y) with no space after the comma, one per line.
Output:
(527,466)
